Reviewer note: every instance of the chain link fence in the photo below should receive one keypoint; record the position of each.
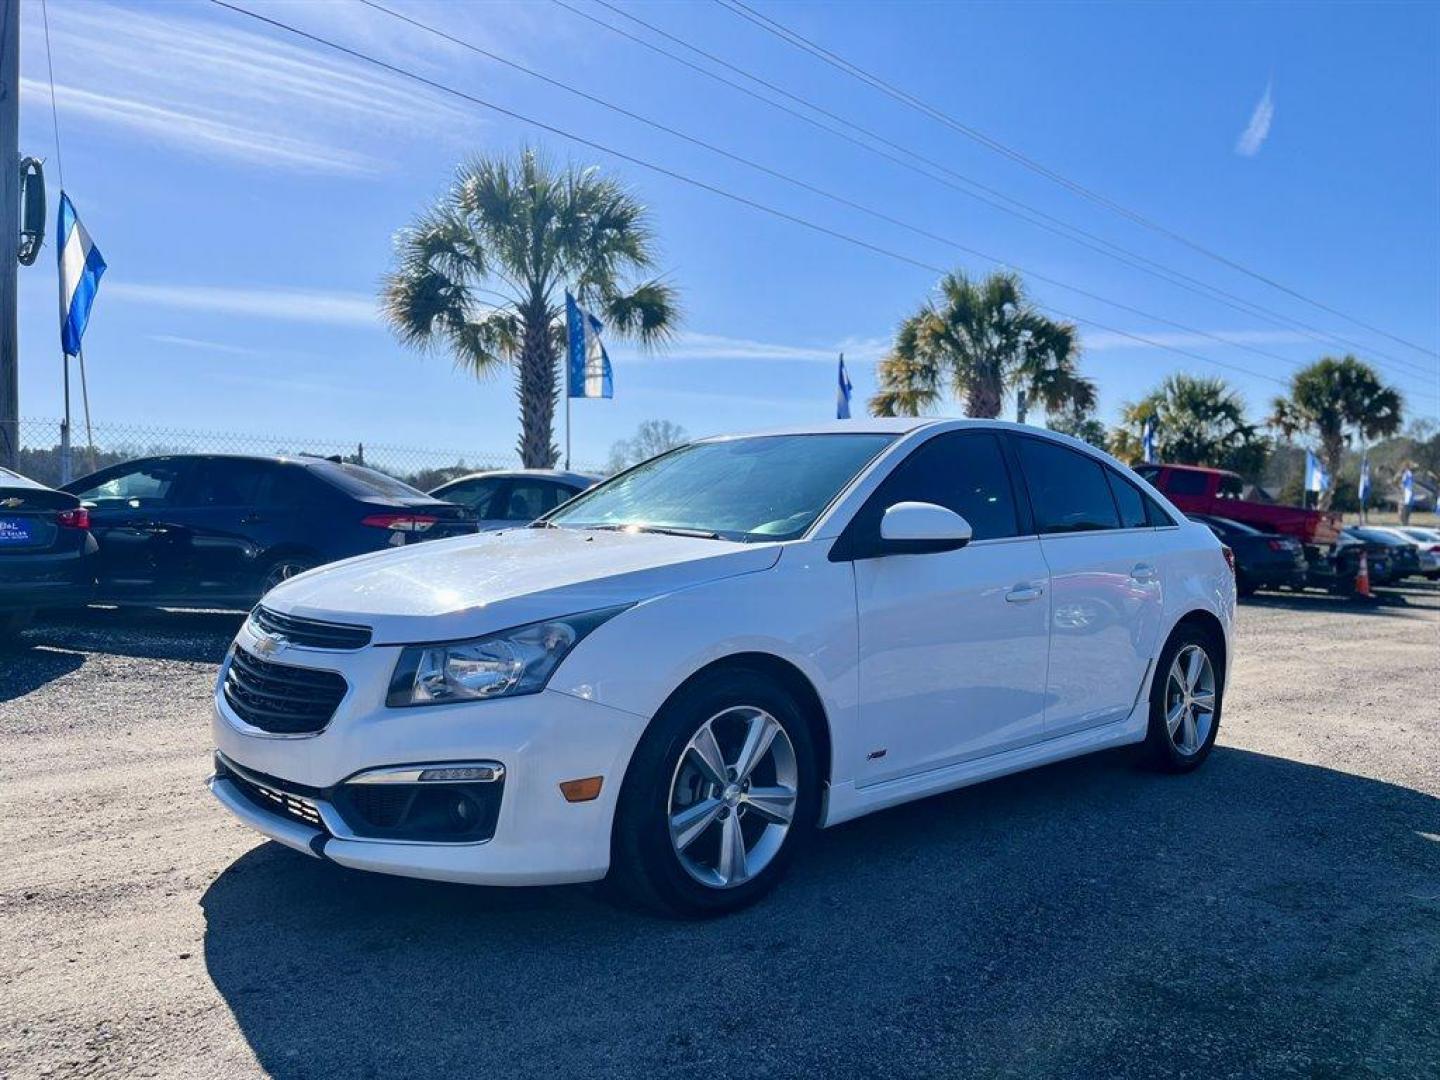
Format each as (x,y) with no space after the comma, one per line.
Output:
(424,468)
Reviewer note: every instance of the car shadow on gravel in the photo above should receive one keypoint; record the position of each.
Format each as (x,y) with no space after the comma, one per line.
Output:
(1259,916)
(24,668)
(143,633)
(1386,602)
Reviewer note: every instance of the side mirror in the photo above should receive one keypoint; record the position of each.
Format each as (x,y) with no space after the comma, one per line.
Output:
(917,528)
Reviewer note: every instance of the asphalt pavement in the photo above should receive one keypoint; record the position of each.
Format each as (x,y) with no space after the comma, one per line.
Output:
(1275,914)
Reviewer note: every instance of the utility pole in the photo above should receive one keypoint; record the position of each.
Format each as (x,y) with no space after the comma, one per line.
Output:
(9,234)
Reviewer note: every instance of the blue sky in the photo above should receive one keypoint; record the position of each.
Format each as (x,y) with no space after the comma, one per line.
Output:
(244,187)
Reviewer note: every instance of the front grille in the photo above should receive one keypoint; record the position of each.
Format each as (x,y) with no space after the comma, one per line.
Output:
(311,633)
(279,698)
(276,801)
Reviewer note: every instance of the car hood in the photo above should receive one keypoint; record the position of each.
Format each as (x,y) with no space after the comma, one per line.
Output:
(445,590)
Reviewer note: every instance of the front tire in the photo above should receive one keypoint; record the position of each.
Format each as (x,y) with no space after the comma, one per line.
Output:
(1185,701)
(282,570)
(722,790)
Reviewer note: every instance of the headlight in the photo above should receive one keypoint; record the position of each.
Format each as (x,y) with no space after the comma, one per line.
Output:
(506,664)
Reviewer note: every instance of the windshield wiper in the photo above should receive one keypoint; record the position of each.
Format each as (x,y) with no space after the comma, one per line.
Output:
(667,530)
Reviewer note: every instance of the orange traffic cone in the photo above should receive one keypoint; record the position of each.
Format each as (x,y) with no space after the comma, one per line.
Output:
(1362,578)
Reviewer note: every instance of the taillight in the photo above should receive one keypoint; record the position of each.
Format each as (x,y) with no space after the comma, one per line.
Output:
(73,519)
(409,523)
(1229,557)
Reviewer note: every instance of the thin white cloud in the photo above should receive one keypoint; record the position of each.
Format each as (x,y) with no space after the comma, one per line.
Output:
(195,79)
(283,305)
(201,345)
(1258,130)
(694,345)
(1103,341)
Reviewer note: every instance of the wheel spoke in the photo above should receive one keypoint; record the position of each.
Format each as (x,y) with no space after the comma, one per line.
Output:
(1189,742)
(689,823)
(775,804)
(1174,716)
(758,738)
(706,752)
(1197,665)
(731,866)
(1204,700)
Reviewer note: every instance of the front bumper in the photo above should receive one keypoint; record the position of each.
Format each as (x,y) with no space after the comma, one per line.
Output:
(541,740)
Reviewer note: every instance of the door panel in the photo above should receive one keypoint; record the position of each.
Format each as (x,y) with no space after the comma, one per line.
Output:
(952,645)
(1106,609)
(1106,595)
(225,528)
(131,518)
(953,651)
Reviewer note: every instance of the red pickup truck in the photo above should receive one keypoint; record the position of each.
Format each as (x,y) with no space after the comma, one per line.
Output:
(1214,491)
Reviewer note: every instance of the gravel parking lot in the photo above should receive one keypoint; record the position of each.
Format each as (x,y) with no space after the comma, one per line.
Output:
(1277,913)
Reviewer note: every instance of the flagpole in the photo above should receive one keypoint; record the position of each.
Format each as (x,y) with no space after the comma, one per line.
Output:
(567,410)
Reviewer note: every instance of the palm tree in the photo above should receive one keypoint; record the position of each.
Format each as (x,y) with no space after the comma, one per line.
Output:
(1198,421)
(483,271)
(1335,400)
(984,338)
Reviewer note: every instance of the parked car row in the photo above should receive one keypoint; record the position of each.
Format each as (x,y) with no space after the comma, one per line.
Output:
(216,530)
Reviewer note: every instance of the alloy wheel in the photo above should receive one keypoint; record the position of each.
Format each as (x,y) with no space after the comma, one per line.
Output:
(733,797)
(1190,699)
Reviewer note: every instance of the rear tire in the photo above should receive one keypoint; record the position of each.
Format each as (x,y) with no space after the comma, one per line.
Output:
(675,848)
(1186,697)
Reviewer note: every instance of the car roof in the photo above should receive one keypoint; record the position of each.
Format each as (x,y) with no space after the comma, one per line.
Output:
(14,480)
(507,474)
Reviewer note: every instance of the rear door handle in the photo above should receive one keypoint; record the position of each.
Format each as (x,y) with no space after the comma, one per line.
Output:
(1024,593)
(1142,572)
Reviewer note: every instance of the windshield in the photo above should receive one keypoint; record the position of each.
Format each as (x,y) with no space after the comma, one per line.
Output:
(769,487)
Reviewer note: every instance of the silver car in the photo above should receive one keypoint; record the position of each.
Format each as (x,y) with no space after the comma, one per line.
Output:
(504,498)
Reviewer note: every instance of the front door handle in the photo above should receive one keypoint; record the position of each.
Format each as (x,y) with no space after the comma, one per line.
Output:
(1024,593)
(1142,572)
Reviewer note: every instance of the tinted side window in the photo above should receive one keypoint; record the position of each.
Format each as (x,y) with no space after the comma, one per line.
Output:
(286,486)
(1068,490)
(531,498)
(1157,515)
(224,483)
(1129,500)
(1179,482)
(476,494)
(141,486)
(959,471)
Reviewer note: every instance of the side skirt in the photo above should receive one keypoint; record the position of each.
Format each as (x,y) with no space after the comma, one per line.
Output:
(845,802)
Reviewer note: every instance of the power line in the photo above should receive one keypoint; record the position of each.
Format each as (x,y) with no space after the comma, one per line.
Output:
(1016,208)
(814,189)
(738,7)
(694,182)
(1055,225)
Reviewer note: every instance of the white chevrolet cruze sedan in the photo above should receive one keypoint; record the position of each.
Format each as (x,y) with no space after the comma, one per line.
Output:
(672,679)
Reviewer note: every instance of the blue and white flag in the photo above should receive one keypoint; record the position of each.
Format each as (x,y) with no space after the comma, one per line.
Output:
(1316,478)
(842,393)
(1407,487)
(1147,441)
(1364,490)
(80,268)
(589,363)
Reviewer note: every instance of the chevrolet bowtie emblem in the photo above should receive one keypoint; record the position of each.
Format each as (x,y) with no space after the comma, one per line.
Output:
(268,645)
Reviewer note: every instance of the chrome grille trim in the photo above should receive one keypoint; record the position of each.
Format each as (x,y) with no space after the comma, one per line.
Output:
(310,633)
